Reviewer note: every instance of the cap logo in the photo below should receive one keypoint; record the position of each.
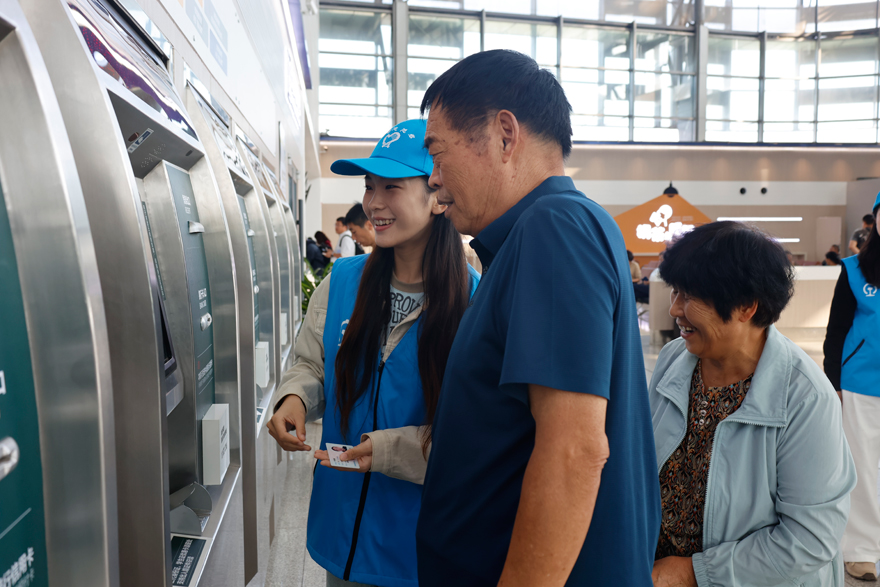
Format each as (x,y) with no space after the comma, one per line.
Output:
(390,138)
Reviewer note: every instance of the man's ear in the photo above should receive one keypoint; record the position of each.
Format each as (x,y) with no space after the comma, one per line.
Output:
(747,312)
(369,226)
(508,128)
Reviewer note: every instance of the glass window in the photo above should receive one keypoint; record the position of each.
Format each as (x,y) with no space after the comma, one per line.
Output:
(861,131)
(356,73)
(535,40)
(600,128)
(788,132)
(731,132)
(443,38)
(595,47)
(664,52)
(847,98)
(738,57)
(789,100)
(660,130)
(595,91)
(774,16)
(791,58)
(354,121)
(846,57)
(664,95)
(732,99)
(435,45)
(846,15)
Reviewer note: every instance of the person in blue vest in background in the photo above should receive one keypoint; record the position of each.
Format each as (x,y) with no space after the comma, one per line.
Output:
(370,361)
(852,363)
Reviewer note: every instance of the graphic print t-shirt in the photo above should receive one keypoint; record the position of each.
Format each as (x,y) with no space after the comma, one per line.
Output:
(405,299)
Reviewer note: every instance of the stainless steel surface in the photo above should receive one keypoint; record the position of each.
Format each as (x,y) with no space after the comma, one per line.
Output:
(224,160)
(129,285)
(296,275)
(184,463)
(285,263)
(65,312)
(267,266)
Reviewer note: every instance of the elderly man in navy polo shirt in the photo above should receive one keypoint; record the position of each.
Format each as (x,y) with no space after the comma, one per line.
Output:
(542,470)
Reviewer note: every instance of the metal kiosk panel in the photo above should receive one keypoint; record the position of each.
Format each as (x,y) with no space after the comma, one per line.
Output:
(264,238)
(124,119)
(235,188)
(56,400)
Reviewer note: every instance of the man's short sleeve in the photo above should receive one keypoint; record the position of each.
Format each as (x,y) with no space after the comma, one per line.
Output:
(562,301)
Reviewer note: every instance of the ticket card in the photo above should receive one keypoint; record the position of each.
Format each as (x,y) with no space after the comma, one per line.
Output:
(335,451)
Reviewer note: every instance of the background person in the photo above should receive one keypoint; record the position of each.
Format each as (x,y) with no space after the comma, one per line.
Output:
(360,226)
(345,245)
(542,470)
(323,242)
(852,363)
(315,256)
(831,259)
(755,471)
(370,361)
(858,238)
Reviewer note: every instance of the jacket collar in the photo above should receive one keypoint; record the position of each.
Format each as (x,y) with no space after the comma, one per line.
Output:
(764,404)
(490,239)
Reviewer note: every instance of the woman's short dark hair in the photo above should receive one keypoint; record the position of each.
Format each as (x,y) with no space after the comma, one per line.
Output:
(731,265)
(629,255)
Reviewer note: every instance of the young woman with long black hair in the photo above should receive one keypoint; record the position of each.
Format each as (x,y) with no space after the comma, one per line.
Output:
(852,363)
(370,361)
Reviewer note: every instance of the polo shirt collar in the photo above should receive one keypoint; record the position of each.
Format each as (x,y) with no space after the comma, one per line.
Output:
(490,239)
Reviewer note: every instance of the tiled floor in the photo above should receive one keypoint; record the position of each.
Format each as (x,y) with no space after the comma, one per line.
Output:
(289,563)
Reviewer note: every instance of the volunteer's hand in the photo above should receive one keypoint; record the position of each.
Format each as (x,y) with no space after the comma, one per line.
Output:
(291,415)
(674,571)
(362,452)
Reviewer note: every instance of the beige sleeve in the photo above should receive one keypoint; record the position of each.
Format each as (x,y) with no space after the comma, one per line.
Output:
(397,453)
(306,377)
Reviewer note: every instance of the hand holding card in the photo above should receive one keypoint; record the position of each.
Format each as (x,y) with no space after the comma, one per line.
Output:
(335,451)
(358,458)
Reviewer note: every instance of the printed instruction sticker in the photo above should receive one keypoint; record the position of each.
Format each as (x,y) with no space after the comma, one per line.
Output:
(140,140)
(335,451)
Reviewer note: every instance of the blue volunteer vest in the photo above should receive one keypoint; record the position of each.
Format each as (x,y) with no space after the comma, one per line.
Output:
(860,367)
(362,528)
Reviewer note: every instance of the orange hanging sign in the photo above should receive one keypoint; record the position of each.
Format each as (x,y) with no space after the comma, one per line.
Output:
(648,228)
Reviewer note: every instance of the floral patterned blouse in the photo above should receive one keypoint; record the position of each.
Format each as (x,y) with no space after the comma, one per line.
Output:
(684,476)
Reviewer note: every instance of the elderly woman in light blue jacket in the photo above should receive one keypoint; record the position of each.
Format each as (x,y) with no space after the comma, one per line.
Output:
(755,471)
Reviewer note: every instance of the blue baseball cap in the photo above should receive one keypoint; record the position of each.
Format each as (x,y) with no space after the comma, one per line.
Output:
(400,153)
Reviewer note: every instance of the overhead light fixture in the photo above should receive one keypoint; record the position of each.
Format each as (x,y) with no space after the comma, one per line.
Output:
(787,240)
(670,191)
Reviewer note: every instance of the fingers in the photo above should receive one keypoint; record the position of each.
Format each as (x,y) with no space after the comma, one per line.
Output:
(364,449)
(279,428)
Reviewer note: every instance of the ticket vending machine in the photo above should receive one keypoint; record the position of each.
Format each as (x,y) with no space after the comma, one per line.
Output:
(169,295)
(56,400)
(271,466)
(296,273)
(259,210)
(286,262)
(252,261)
